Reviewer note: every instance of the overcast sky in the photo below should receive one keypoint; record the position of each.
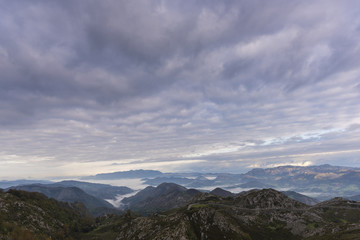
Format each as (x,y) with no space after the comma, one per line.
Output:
(211,86)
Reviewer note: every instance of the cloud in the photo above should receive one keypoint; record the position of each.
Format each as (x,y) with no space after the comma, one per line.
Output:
(178,85)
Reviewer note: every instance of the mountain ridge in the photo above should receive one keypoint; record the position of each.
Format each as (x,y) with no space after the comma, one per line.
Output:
(70,194)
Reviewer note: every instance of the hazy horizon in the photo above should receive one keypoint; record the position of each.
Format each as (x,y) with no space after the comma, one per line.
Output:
(132,182)
(91,87)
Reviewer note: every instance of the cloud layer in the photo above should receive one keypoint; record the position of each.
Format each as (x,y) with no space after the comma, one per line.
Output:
(98,86)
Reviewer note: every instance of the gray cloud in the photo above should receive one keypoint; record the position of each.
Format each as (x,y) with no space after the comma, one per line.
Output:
(113,85)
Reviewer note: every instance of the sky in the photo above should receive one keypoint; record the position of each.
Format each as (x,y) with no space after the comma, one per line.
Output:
(178,86)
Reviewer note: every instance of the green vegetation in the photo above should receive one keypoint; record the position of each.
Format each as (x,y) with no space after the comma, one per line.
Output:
(312,226)
(26,215)
(194,206)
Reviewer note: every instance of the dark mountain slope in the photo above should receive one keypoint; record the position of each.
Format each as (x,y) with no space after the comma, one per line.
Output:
(71,194)
(102,191)
(25,215)
(301,198)
(160,198)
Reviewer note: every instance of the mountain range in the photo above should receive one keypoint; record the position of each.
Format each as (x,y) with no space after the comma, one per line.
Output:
(323,181)
(124,174)
(167,196)
(255,215)
(188,206)
(171,211)
(95,205)
(92,195)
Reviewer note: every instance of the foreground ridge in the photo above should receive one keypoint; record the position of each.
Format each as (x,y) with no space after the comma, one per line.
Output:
(255,214)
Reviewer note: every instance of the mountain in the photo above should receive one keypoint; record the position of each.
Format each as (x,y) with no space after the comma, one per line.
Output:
(301,198)
(325,180)
(221,193)
(102,191)
(25,215)
(254,184)
(256,215)
(177,180)
(169,195)
(7,184)
(71,194)
(163,197)
(355,198)
(267,199)
(125,174)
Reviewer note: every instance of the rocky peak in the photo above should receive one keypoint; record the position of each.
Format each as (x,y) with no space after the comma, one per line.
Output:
(338,202)
(267,198)
(170,187)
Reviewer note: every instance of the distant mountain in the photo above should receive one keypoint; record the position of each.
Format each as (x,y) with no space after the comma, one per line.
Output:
(102,191)
(326,180)
(163,197)
(7,184)
(256,215)
(301,198)
(158,180)
(125,174)
(71,194)
(199,181)
(254,184)
(355,198)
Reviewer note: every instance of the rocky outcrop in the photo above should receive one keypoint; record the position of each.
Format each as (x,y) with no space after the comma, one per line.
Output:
(257,214)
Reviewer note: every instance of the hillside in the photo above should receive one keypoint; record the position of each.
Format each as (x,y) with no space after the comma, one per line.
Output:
(102,191)
(164,197)
(301,198)
(71,194)
(25,215)
(255,215)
